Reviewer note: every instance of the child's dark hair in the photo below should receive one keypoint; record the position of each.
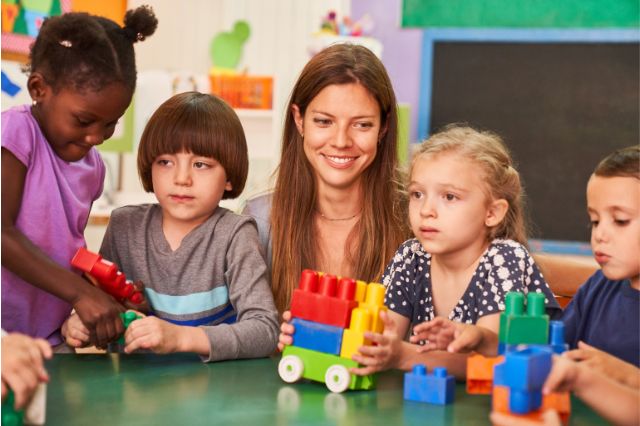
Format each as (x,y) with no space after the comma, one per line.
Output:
(201,124)
(624,162)
(90,52)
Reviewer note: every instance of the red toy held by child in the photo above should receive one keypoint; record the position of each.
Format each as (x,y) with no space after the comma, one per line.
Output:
(107,275)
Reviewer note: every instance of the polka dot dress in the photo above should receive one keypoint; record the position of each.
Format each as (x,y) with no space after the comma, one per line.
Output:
(505,266)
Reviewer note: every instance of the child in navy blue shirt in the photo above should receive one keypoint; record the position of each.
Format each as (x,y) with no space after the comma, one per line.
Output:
(605,312)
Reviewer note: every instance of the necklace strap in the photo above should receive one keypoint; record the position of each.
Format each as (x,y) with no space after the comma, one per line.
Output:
(338,218)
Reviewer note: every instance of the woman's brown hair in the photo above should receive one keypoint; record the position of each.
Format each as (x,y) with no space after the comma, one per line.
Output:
(199,123)
(383,224)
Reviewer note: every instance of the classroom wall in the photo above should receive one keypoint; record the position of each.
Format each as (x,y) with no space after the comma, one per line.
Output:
(564,80)
(401,53)
(281,31)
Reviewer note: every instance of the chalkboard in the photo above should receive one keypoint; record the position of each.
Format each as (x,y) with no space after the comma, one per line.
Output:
(561,107)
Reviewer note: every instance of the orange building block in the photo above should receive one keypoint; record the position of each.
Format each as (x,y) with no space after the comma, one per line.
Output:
(480,373)
(561,402)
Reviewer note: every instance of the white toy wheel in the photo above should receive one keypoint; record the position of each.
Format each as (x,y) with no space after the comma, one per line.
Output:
(337,378)
(290,368)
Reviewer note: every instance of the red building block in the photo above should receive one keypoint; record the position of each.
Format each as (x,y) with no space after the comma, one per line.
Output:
(324,299)
(106,273)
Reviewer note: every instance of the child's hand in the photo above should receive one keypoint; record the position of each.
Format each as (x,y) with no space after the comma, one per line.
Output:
(74,332)
(99,313)
(23,366)
(286,331)
(154,334)
(385,354)
(563,376)
(444,334)
(141,307)
(549,418)
(607,364)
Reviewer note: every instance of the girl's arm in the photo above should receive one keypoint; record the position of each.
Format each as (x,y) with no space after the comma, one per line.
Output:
(98,311)
(452,336)
(392,352)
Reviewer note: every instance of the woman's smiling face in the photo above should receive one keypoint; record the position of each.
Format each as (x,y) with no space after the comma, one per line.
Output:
(341,130)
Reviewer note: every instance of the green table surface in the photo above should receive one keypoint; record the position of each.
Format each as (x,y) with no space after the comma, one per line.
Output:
(179,389)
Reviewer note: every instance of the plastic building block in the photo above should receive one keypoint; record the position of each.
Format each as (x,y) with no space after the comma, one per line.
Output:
(298,363)
(107,275)
(374,303)
(361,291)
(33,414)
(516,327)
(322,307)
(323,300)
(127,318)
(556,337)
(436,388)
(524,372)
(317,337)
(353,336)
(560,402)
(11,416)
(480,373)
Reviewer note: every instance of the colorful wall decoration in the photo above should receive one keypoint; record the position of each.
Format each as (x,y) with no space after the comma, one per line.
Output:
(21,21)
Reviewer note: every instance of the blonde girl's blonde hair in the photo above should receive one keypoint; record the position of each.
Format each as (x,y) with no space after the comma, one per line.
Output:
(487,150)
(382,226)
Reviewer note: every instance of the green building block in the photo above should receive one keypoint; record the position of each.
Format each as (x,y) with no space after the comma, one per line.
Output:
(11,416)
(516,327)
(127,318)
(315,366)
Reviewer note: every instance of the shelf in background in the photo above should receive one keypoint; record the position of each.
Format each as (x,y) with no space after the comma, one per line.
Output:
(254,113)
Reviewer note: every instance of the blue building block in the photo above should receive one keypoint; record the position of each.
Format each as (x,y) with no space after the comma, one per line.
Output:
(556,337)
(317,337)
(436,388)
(524,371)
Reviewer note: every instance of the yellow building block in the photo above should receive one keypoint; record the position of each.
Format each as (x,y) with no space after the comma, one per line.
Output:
(353,337)
(361,291)
(374,303)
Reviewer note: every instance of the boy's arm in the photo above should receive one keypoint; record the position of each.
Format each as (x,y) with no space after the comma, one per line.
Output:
(614,401)
(607,364)
(163,337)
(97,310)
(255,332)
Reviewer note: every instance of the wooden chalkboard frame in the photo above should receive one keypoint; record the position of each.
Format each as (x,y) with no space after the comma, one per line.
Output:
(537,36)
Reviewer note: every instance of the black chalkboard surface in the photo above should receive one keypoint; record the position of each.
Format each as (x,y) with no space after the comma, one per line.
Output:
(560,107)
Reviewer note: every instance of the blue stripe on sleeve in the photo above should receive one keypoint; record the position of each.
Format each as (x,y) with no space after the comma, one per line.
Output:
(188,304)
(207,320)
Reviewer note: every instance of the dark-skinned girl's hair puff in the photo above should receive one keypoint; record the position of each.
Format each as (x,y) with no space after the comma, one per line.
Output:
(90,52)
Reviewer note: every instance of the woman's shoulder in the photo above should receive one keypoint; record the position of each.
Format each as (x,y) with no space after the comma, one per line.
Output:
(259,206)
